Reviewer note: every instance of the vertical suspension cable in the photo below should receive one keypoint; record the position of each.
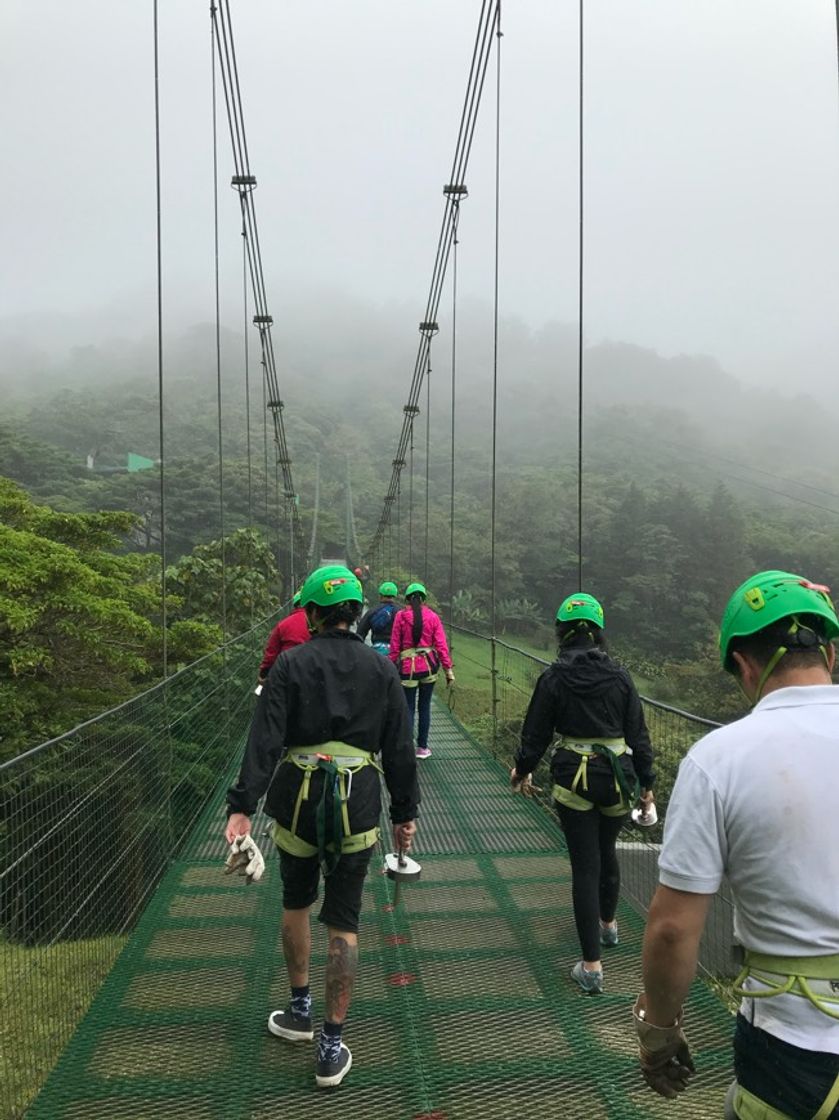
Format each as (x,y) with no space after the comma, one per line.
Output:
(160,423)
(218,328)
(580,326)
(399,524)
(265,445)
(493,485)
(278,544)
(427,457)
(247,371)
(411,502)
(455,243)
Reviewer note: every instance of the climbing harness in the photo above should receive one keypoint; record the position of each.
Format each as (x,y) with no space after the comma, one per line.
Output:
(813,978)
(411,655)
(611,750)
(743,1105)
(340,762)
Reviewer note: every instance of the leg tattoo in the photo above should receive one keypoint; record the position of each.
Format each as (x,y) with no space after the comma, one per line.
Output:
(341,968)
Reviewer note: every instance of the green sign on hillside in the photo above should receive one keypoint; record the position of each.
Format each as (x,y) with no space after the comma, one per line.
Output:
(138,462)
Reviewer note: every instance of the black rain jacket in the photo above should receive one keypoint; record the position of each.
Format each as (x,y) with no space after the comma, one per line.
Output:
(332,688)
(587,695)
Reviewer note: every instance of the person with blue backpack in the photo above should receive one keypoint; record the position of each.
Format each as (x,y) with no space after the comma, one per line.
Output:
(378,621)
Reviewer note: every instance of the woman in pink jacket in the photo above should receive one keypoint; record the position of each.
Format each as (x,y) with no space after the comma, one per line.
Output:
(418,648)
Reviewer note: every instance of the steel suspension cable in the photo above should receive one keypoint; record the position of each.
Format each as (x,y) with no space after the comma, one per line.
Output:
(247,374)
(580,324)
(455,244)
(218,335)
(493,490)
(160,420)
(472,100)
(265,442)
(245,180)
(427,459)
(411,504)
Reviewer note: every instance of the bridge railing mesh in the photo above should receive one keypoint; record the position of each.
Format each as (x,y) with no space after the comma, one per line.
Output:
(89,822)
(672,732)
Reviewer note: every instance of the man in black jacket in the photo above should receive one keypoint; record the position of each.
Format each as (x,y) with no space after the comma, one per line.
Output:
(327,708)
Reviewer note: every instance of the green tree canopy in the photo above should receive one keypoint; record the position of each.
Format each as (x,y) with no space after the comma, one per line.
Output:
(79,619)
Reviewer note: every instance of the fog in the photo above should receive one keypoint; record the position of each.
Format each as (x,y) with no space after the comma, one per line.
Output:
(711,175)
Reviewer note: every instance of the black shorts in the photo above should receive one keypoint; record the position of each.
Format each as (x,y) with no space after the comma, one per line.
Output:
(341,890)
(787,1077)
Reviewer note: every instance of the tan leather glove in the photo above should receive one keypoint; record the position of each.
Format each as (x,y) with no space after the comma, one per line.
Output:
(664,1054)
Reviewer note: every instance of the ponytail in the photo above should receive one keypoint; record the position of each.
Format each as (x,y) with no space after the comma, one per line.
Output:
(415,602)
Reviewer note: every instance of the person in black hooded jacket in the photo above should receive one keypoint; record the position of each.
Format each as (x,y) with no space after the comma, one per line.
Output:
(602,764)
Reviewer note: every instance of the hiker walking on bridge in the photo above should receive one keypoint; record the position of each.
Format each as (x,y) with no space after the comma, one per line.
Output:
(418,648)
(289,632)
(327,709)
(378,621)
(602,763)
(753,801)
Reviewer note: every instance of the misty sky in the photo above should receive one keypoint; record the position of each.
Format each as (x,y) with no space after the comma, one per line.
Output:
(712,166)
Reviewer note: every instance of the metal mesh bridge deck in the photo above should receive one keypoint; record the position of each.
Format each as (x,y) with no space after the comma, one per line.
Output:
(463,1008)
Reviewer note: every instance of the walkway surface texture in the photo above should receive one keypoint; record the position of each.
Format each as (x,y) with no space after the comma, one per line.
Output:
(463,1009)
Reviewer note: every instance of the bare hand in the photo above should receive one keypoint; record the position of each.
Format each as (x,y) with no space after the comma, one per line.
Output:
(237,825)
(403,836)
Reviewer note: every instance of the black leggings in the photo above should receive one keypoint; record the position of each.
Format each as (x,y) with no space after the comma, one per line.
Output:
(595,874)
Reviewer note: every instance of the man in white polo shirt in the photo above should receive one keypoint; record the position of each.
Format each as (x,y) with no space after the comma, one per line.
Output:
(756,801)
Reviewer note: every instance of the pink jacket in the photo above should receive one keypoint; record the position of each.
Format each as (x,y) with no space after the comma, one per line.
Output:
(433,637)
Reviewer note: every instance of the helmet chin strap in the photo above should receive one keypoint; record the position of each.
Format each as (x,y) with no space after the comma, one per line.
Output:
(772,663)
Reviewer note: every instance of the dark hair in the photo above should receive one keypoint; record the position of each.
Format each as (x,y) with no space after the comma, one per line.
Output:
(330,617)
(804,648)
(579,635)
(415,602)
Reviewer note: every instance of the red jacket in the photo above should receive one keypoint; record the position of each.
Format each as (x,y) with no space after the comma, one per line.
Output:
(291,631)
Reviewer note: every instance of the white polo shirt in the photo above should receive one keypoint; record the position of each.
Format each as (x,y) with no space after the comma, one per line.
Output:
(757,800)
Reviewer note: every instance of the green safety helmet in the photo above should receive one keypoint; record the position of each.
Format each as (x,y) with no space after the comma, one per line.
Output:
(768,597)
(415,589)
(330,585)
(295,602)
(388,588)
(580,608)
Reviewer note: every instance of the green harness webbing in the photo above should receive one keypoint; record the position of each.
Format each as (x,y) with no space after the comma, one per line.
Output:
(332,818)
(611,750)
(749,1107)
(413,653)
(789,976)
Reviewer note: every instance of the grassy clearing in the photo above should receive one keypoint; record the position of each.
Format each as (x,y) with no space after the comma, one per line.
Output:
(44,991)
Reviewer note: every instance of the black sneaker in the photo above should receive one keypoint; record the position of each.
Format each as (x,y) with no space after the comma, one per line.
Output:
(296,1028)
(328,1074)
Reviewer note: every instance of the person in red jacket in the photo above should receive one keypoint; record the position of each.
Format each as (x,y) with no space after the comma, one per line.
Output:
(290,631)
(418,648)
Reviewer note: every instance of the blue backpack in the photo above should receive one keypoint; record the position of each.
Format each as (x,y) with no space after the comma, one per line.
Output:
(382,618)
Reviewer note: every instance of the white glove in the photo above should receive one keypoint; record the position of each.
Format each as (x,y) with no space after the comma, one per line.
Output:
(245,859)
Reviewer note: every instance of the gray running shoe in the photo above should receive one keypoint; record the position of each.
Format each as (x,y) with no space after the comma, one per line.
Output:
(609,935)
(590,981)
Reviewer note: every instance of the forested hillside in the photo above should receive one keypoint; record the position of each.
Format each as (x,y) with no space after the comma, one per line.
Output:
(691,481)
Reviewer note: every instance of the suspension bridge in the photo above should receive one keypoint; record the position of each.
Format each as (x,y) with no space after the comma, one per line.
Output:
(112,843)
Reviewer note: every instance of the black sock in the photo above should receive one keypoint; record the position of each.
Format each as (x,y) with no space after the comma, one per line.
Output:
(301,1002)
(329,1046)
